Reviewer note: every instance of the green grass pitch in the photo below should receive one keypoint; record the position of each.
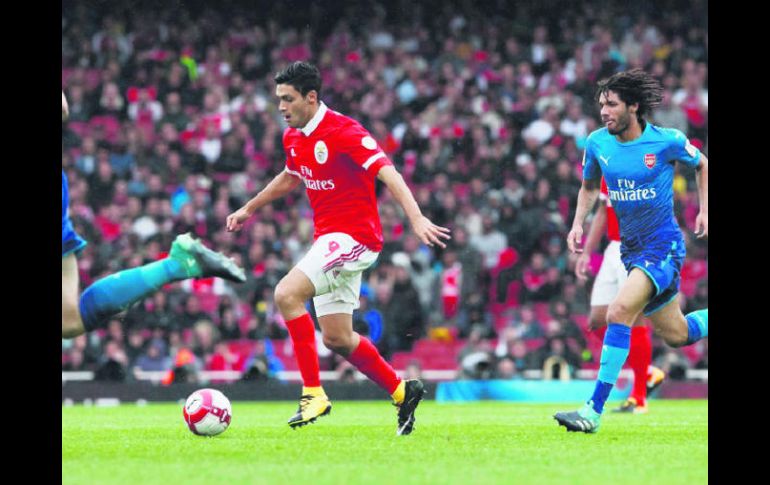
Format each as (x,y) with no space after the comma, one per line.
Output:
(469,444)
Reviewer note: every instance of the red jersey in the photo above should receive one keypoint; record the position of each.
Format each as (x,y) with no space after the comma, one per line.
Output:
(338,161)
(613,229)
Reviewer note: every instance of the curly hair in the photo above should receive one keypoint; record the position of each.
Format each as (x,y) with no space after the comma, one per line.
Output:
(634,86)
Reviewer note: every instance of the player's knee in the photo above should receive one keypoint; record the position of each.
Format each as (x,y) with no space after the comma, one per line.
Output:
(597,320)
(285,297)
(619,313)
(339,343)
(71,326)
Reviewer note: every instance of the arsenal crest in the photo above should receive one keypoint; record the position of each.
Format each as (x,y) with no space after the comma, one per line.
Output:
(649,160)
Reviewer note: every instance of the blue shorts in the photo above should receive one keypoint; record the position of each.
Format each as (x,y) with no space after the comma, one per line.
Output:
(71,242)
(662,265)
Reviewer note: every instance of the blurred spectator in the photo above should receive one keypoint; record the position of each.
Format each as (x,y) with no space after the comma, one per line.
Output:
(413,370)
(367,320)
(475,359)
(155,359)
(557,360)
(192,312)
(113,363)
(262,362)
(506,369)
(672,362)
(490,243)
(669,115)
(401,310)
(527,326)
(228,325)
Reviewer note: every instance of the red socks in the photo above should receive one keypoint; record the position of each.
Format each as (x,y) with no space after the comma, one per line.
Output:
(302,331)
(639,359)
(369,361)
(365,357)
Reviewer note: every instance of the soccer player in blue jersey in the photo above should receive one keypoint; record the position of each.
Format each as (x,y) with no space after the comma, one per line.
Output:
(637,160)
(107,297)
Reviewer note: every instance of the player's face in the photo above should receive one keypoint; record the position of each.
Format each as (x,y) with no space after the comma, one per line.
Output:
(617,116)
(295,109)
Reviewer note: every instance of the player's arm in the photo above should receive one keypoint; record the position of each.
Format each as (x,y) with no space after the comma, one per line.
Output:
(425,230)
(65,107)
(281,185)
(595,234)
(589,192)
(702,180)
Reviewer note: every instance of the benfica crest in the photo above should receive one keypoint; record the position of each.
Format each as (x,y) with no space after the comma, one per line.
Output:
(649,160)
(321,152)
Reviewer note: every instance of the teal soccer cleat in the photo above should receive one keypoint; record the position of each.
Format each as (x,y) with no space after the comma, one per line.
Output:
(201,262)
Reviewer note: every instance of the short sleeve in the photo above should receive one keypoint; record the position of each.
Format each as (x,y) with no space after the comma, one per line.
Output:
(291,166)
(362,148)
(682,150)
(591,168)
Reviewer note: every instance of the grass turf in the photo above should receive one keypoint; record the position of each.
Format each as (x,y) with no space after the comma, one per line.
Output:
(469,444)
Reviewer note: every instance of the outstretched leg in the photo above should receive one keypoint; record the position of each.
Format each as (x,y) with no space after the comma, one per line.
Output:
(188,258)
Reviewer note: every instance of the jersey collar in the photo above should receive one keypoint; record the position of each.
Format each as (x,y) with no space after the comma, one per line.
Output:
(311,125)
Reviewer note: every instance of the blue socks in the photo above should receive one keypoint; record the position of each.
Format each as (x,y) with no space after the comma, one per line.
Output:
(116,293)
(617,342)
(697,325)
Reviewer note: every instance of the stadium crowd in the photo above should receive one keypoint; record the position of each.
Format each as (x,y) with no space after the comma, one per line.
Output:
(484,109)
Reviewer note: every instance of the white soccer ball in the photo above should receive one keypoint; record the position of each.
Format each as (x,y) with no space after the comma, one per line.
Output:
(207,412)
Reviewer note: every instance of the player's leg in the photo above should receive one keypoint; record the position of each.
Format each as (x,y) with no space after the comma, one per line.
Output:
(71,324)
(639,359)
(290,296)
(335,316)
(677,329)
(622,312)
(188,258)
(612,274)
(306,279)
(338,335)
(606,286)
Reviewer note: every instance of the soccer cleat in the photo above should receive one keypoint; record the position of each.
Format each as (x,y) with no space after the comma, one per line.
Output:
(585,419)
(413,394)
(630,405)
(201,262)
(655,378)
(310,408)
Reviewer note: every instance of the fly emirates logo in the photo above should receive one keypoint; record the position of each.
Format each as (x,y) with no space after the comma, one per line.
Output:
(627,192)
(312,184)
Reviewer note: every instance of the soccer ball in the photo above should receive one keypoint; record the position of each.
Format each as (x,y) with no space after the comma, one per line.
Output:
(207,412)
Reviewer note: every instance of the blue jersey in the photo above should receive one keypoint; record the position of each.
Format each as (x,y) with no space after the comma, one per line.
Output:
(640,180)
(640,177)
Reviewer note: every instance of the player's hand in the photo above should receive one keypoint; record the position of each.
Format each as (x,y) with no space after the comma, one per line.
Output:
(575,239)
(702,225)
(430,233)
(236,219)
(581,266)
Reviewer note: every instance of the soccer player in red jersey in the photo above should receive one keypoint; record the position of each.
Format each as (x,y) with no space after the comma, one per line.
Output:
(608,281)
(337,160)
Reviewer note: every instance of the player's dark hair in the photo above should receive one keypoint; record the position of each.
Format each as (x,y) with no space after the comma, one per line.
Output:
(304,76)
(634,86)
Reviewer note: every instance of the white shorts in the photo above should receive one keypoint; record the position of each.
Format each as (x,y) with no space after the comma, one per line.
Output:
(612,274)
(334,264)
